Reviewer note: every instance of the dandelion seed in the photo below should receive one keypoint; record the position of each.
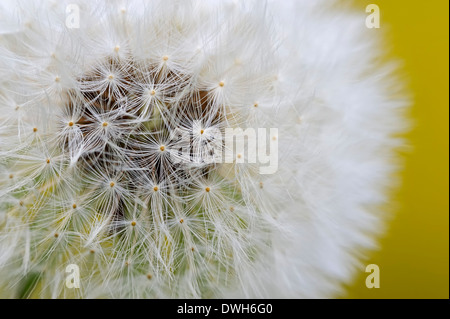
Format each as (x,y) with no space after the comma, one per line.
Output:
(144,95)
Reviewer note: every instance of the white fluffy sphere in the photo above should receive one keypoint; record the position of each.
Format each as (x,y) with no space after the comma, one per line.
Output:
(96,98)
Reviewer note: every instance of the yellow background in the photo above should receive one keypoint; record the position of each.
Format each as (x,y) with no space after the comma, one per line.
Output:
(414,254)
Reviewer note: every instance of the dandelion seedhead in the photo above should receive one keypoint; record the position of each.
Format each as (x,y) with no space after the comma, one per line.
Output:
(111,148)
